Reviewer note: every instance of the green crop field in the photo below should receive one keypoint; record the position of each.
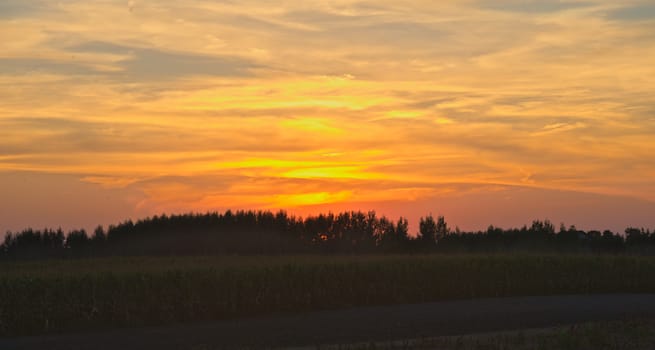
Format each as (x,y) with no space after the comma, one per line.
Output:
(79,295)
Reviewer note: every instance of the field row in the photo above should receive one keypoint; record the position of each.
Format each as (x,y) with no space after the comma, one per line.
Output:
(38,298)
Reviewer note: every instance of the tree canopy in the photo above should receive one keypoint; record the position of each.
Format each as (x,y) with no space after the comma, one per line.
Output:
(266,232)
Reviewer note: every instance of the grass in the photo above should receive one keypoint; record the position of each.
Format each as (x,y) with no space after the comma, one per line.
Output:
(78,295)
(614,335)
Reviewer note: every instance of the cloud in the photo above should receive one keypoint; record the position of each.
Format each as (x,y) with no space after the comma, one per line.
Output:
(39,135)
(643,12)
(143,64)
(534,6)
(558,127)
(97,60)
(18,66)
(18,8)
(364,29)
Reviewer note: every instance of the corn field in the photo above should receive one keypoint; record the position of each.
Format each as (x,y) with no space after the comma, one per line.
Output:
(80,295)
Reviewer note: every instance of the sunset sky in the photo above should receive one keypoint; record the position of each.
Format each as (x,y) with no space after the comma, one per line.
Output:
(487,112)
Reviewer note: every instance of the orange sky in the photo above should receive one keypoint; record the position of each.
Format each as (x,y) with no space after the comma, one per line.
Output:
(489,112)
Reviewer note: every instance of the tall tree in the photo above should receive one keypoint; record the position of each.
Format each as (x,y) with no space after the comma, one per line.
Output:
(428,231)
(442,228)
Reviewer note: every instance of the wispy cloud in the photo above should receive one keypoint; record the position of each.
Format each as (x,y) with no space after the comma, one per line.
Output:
(558,127)
(634,12)
(139,64)
(534,6)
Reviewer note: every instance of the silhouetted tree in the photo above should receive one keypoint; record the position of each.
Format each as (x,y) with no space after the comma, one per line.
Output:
(428,232)
(442,228)
(77,240)
(265,232)
(99,235)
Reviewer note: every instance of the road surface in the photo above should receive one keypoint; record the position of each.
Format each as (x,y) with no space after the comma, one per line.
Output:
(361,324)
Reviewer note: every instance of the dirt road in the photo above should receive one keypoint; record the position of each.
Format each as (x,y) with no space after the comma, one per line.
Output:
(361,324)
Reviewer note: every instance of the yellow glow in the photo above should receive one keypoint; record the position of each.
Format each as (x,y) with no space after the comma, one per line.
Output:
(268,163)
(444,121)
(311,125)
(343,172)
(303,199)
(404,114)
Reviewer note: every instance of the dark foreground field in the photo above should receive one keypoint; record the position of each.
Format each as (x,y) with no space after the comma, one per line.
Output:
(401,326)
(91,295)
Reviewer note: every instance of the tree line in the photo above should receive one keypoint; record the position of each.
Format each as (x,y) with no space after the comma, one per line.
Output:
(266,232)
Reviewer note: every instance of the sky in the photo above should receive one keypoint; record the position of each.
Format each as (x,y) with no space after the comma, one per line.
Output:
(486,112)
